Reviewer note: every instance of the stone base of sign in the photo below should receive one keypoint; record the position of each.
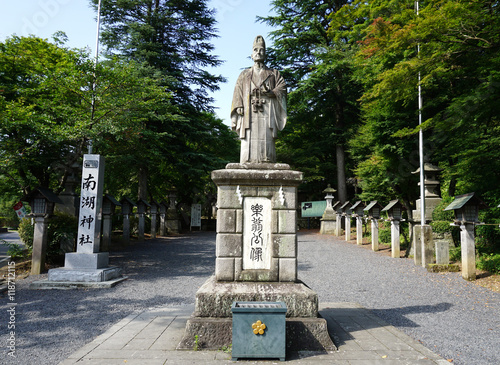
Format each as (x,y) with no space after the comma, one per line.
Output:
(275,185)
(211,320)
(46,284)
(93,261)
(214,298)
(65,274)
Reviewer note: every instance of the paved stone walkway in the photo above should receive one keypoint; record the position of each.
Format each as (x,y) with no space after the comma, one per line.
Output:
(151,337)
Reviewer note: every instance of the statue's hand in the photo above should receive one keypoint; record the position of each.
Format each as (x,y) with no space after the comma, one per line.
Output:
(239,111)
(270,94)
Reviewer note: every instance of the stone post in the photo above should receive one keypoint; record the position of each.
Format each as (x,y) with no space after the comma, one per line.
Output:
(417,244)
(127,208)
(39,245)
(359,230)
(141,214)
(374,234)
(153,211)
(106,232)
(468,250)
(172,218)
(395,244)
(347,227)
(427,243)
(108,209)
(126,229)
(338,224)
(163,212)
(358,213)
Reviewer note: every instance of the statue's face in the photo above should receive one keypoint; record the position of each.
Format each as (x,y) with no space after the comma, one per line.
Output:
(259,53)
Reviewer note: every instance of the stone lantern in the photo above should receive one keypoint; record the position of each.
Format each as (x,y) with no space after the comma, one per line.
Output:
(394,210)
(153,210)
(163,206)
(328,218)
(373,210)
(357,212)
(109,204)
(466,209)
(127,208)
(172,218)
(347,212)
(142,207)
(42,202)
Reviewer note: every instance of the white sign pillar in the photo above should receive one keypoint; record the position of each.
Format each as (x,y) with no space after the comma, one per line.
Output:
(89,229)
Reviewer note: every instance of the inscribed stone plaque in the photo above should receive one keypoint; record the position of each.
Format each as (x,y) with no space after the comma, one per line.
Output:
(257,245)
(89,228)
(196,215)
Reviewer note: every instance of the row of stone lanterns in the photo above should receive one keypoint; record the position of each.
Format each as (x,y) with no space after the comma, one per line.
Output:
(466,208)
(43,201)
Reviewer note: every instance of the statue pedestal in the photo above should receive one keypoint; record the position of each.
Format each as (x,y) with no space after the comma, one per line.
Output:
(256,258)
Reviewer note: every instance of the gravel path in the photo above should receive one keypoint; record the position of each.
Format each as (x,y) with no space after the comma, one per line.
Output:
(450,316)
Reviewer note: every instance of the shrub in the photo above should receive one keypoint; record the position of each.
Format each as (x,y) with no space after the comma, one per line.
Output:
(61,226)
(489,262)
(384,234)
(25,232)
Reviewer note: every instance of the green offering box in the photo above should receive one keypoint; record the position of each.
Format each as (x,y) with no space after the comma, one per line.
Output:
(259,330)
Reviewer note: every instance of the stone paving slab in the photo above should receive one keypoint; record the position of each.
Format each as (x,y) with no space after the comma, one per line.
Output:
(150,338)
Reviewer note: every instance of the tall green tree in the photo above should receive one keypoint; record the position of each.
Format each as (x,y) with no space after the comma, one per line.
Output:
(457,64)
(322,98)
(173,37)
(47,112)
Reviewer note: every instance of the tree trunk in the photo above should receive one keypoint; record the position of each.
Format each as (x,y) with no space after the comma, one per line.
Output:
(341,188)
(143,183)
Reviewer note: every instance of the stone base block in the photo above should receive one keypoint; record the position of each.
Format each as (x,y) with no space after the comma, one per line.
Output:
(214,299)
(86,261)
(65,274)
(302,334)
(327,226)
(46,284)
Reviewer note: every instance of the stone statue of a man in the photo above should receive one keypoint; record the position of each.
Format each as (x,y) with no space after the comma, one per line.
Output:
(258,110)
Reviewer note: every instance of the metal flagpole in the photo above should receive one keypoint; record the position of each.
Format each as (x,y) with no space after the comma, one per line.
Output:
(95,65)
(421,142)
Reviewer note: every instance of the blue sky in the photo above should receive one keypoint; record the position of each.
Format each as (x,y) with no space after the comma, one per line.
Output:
(236,24)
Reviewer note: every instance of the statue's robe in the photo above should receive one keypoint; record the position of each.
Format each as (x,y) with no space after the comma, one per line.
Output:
(262,115)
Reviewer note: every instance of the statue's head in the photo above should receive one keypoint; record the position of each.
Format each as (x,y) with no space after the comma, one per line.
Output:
(259,49)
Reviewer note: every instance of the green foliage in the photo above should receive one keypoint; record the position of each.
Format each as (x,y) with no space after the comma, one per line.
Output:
(442,219)
(489,262)
(15,251)
(25,232)
(8,216)
(384,234)
(47,113)
(60,227)
(455,254)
